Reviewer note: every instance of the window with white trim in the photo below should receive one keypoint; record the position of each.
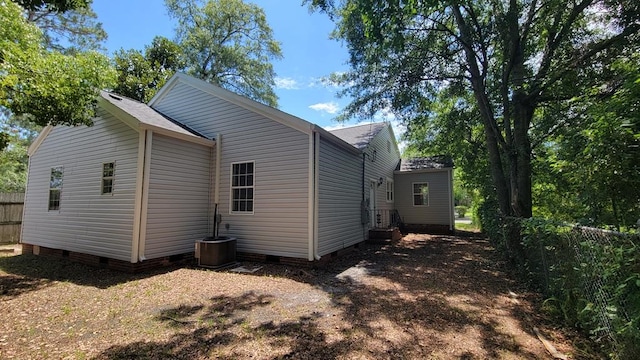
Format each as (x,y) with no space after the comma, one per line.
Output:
(420,194)
(55,188)
(108,174)
(242,187)
(389,190)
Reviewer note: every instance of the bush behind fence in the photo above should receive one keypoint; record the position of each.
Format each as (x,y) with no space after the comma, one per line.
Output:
(590,276)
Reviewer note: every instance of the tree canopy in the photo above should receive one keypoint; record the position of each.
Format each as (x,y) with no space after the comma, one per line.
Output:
(140,76)
(47,87)
(514,67)
(228,43)
(67,26)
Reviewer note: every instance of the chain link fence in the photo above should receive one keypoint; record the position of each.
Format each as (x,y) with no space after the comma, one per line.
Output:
(590,276)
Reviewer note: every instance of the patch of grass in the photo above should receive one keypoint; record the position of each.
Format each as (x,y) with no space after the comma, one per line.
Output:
(467,227)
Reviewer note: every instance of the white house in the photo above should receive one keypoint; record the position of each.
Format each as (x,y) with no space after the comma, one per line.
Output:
(138,187)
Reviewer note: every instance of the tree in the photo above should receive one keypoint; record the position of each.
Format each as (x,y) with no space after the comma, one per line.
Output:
(139,76)
(516,57)
(591,172)
(67,26)
(228,43)
(47,87)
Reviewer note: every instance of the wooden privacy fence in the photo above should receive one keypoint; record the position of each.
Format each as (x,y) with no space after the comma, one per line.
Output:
(11,205)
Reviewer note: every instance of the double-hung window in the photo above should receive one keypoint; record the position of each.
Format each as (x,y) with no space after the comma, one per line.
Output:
(108,174)
(420,194)
(55,188)
(242,187)
(389,190)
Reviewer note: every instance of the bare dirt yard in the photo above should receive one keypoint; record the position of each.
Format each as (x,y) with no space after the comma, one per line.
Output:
(425,297)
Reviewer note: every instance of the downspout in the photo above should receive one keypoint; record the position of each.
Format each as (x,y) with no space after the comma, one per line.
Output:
(451,215)
(217,174)
(137,207)
(316,196)
(363,206)
(145,195)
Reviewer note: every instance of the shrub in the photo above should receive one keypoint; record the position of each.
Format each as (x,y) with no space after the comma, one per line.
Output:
(461,210)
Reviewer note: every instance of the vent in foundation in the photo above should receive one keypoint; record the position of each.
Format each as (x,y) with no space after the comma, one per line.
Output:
(65,253)
(272,259)
(104,260)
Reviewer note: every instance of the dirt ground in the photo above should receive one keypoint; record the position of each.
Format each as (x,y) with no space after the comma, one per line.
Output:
(425,297)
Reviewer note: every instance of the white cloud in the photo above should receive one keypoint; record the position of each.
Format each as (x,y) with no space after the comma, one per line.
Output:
(328,107)
(286,83)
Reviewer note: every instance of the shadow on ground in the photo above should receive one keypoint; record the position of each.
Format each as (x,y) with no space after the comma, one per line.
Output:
(24,273)
(424,297)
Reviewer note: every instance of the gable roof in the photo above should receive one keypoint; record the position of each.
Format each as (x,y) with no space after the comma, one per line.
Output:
(359,136)
(269,112)
(147,115)
(138,116)
(426,163)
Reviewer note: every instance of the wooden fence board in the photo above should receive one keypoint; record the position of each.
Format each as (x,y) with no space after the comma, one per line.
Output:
(11,206)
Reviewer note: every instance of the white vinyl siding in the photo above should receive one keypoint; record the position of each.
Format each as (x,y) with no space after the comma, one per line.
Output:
(179,193)
(86,222)
(279,225)
(383,166)
(340,196)
(438,212)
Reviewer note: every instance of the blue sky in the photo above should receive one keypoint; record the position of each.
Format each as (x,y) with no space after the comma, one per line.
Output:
(308,53)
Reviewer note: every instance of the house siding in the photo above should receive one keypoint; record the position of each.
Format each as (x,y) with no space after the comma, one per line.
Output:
(340,196)
(87,222)
(178,196)
(387,159)
(438,212)
(279,224)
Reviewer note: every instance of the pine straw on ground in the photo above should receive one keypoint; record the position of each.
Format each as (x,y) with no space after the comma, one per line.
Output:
(426,297)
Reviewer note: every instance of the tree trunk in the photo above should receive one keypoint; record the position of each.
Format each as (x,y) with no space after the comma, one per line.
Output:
(522,199)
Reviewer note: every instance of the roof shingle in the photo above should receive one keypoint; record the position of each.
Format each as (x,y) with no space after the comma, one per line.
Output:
(359,136)
(147,115)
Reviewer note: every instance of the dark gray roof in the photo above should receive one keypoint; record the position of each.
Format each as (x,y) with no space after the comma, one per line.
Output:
(359,136)
(147,115)
(432,162)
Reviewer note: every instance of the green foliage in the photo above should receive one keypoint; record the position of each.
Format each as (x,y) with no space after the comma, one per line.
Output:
(461,210)
(228,43)
(13,158)
(504,73)
(69,28)
(141,76)
(53,5)
(47,87)
(590,172)
(591,278)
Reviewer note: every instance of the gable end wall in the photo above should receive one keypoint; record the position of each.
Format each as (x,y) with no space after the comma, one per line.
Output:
(87,221)
(279,225)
